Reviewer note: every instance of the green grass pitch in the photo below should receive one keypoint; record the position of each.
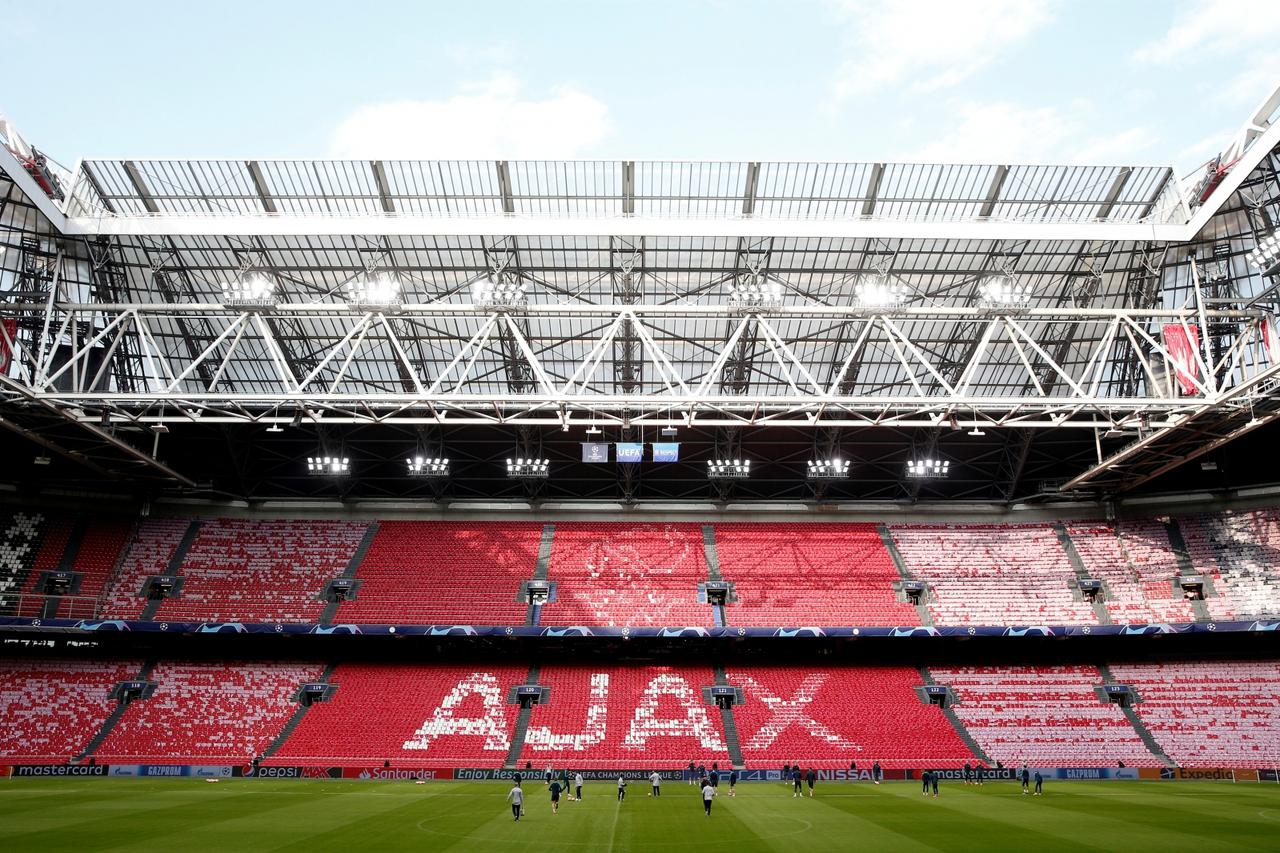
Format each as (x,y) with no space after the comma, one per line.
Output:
(252,815)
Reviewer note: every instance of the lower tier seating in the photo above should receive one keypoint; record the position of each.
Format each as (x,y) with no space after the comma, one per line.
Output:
(610,573)
(1210,714)
(204,712)
(1045,716)
(445,573)
(809,574)
(634,717)
(413,715)
(49,709)
(828,717)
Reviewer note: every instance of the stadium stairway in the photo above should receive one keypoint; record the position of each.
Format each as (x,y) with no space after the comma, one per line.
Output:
(534,614)
(143,674)
(719,616)
(522,719)
(353,566)
(175,565)
(1178,543)
(1140,727)
(922,609)
(302,709)
(1077,564)
(731,738)
(956,723)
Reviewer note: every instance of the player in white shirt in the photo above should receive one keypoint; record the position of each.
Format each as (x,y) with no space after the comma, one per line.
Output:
(516,797)
(655,780)
(708,793)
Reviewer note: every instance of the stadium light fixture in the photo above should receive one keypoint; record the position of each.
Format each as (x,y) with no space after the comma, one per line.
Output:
(528,469)
(828,469)
(728,469)
(878,290)
(496,294)
(378,291)
(328,466)
(754,293)
(928,468)
(668,432)
(249,291)
(428,466)
(1266,255)
(1003,290)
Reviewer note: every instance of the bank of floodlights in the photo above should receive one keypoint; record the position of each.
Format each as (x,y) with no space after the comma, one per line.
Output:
(828,469)
(754,293)
(249,291)
(728,469)
(499,293)
(928,468)
(375,290)
(1266,255)
(427,466)
(1003,290)
(879,290)
(528,469)
(328,466)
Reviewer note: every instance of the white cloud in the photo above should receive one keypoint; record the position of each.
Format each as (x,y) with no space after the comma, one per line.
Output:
(930,44)
(1214,26)
(489,120)
(1011,133)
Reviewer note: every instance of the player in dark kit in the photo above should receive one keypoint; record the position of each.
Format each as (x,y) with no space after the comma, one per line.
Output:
(809,778)
(933,780)
(965,771)
(924,782)
(796,781)
(1026,779)
(733,782)
(714,779)
(555,796)
(876,773)
(1039,782)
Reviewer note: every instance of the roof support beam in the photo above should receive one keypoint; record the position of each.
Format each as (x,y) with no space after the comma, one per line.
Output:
(260,186)
(1117,186)
(504,186)
(628,187)
(873,190)
(140,187)
(749,189)
(993,192)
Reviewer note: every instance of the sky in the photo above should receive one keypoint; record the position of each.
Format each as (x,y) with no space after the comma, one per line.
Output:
(1019,81)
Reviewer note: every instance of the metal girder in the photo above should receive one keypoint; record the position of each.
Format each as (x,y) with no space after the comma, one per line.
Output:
(260,186)
(237,374)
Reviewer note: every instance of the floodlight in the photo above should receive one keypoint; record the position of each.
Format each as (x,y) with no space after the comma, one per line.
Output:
(430,466)
(499,293)
(828,469)
(375,291)
(249,291)
(878,290)
(1266,255)
(754,293)
(328,466)
(928,468)
(528,469)
(1004,291)
(728,469)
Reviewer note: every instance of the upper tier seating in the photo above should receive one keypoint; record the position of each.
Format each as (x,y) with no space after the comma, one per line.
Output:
(436,572)
(1045,716)
(616,574)
(1220,714)
(149,554)
(827,717)
(637,717)
(1240,553)
(809,574)
(414,715)
(49,709)
(21,534)
(207,712)
(994,574)
(261,571)
(1137,565)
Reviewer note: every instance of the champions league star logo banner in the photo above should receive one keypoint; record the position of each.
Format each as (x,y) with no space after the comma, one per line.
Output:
(666,452)
(1181,342)
(630,452)
(595,451)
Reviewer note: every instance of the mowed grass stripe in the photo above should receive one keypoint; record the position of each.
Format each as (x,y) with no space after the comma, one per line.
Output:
(246,816)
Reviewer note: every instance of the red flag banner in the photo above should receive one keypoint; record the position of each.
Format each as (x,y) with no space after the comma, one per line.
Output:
(1181,342)
(1271,338)
(7,334)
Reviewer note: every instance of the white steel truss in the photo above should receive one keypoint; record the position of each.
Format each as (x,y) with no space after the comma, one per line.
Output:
(373,367)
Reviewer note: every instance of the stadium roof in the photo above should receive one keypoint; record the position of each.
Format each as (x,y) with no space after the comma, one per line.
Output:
(630,313)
